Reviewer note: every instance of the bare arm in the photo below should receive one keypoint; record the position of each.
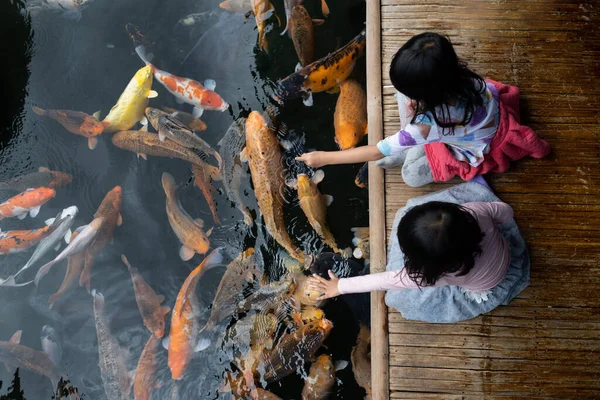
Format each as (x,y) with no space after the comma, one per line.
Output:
(361,154)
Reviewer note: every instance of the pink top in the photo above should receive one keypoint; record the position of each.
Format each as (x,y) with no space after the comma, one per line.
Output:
(488,271)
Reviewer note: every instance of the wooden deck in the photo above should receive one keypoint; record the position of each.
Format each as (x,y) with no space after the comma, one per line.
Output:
(546,343)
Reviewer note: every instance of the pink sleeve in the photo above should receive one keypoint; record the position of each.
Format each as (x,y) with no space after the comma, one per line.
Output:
(389,280)
(499,212)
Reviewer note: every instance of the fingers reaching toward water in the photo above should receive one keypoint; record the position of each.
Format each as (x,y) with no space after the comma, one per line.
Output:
(327,288)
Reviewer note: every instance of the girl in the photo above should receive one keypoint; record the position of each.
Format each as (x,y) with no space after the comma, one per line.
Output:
(459,123)
(453,259)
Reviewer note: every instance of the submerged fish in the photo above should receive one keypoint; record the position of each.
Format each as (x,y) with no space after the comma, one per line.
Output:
(184,319)
(361,360)
(195,124)
(204,181)
(71,9)
(350,117)
(289,6)
(74,267)
(51,344)
(262,394)
(362,177)
(321,379)
(145,374)
(314,205)
(63,222)
(132,102)
(42,178)
(110,212)
(170,128)
(266,167)
(144,143)
(237,6)
(30,201)
(304,294)
(302,32)
(202,97)
(148,302)
(323,74)
(77,122)
(86,235)
(24,357)
(113,370)
(189,231)
(263,10)
(230,147)
(230,292)
(21,240)
(311,314)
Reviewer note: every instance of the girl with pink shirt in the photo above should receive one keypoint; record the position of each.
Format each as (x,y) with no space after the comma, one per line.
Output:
(453,261)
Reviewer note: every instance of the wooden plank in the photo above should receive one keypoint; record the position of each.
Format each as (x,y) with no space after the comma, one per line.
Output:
(379,334)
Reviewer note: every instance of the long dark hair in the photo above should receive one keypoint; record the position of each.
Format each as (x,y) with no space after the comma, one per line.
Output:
(427,69)
(438,238)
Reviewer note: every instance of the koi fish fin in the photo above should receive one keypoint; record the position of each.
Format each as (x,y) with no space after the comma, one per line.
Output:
(308,99)
(324,8)
(16,337)
(68,236)
(204,340)
(161,136)
(142,155)
(49,221)
(141,52)
(199,222)
(298,67)
(209,232)
(318,21)
(328,199)
(144,128)
(334,90)
(152,94)
(340,365)
(22,216)
(165,343)
(33,212)
(292,183)
(10,282)
(119,220)
(185,253)
(318,176)
(165,310)
(210,84)
(197,112)
(43,169)
(96,115)
(92,142)
(73,15)
(57,247)
(244,155)
(38,110)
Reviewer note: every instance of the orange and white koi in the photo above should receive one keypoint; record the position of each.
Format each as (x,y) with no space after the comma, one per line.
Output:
(184,320)
(21,240)
(263,10)
(29,201)
(202,97)
(78,123)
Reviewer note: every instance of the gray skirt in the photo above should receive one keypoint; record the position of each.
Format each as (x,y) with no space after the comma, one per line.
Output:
(446,304)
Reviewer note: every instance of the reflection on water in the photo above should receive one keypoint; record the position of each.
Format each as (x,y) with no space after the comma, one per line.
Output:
(80,57)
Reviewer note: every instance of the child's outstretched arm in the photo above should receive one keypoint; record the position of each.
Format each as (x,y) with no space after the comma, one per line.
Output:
(317,159)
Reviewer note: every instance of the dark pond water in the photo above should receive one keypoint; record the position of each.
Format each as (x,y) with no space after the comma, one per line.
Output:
(55,62)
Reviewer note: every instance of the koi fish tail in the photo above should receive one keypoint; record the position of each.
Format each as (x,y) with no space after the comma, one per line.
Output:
(205,338)
(86,275)
(39,111)
(263,43)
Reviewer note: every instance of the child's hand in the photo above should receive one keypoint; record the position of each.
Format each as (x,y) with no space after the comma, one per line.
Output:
(327,288)
(315,159)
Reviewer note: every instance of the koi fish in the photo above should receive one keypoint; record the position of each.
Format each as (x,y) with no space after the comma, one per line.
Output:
(323,74)
(362,177)
(24,357)
(110,212)
(311,314)
(263,394)
(264,156)
(145,373)
(189,231)
(30,201)
(203,180)
(237,6)
(184,319)
(148,302)
(289,6)
(304,294)
(71,9)
(350,117)
(302,33)
(314,205)
(113,370)
(144,143)
(170,128)
(321,379)
(51,344)
(195,124)
(202,97)
(42,178)
(230,147)
(21,240)
(263,10)
(86,235)
(132,102)
(77,123)
(361,360)
(74,267)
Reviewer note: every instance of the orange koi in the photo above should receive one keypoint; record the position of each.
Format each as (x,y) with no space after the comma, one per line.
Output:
(263,10)
(74,267)
(29,201)
(203,180)
(16,241)
(77,122)
(145,373)
(184,320)
(350,117)
(148,302)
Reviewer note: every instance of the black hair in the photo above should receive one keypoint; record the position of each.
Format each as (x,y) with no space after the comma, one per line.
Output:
(438,238)
(427,69)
